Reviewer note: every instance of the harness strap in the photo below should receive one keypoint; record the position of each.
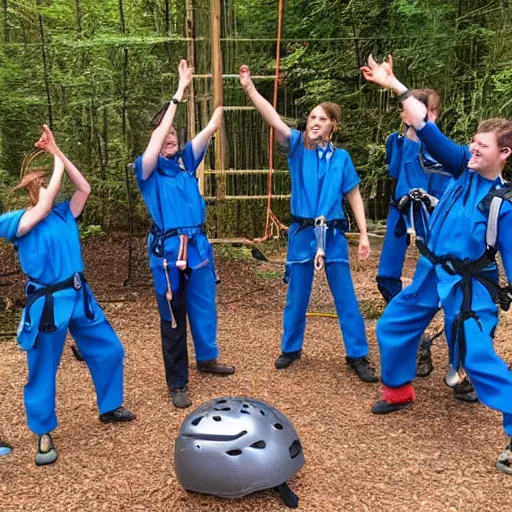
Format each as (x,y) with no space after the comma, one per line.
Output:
(308,222)
(160,236)
(47,324)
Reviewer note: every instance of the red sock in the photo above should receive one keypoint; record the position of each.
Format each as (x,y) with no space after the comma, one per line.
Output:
(398,395)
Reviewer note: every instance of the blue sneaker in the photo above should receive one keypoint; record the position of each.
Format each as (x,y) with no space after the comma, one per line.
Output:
(5,448)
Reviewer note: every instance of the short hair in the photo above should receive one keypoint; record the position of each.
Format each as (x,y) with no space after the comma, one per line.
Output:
(501,127)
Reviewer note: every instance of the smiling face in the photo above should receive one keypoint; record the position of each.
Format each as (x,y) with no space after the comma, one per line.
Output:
(170,146)
(319,126)
(487,157)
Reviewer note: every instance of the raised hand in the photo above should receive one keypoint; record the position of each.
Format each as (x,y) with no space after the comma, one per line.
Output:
(245,77)
(47,142)
(185,73)
(380,74)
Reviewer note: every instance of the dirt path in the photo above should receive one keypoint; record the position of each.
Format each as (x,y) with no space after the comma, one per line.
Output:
(437,456)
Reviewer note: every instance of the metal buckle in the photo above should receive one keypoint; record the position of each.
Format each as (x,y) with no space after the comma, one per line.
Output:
(320,221)
(77,282)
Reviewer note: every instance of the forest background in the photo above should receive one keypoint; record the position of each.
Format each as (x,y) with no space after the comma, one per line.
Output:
(98,70)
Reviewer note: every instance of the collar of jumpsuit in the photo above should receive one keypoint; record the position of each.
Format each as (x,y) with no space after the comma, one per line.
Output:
(325,153)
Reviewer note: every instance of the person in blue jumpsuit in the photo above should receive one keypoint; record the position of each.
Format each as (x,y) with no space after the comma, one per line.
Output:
(457,267)
(59,299)
(411,167)
(321,177)
(180,255)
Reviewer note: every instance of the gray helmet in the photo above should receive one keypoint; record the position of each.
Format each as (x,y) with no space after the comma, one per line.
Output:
(233,446)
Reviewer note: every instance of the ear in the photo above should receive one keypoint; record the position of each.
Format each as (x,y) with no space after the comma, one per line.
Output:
(505,153)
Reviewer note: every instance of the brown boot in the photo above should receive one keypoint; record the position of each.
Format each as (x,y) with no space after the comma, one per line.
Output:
(212,366)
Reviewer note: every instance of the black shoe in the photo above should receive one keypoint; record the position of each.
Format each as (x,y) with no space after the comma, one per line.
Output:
(465,392)
(504,462)
(180,397)
(213,366)
(46,452)
(119,415)
(424,365)
(287,358)
(363,369)
(76,353)
(384,407)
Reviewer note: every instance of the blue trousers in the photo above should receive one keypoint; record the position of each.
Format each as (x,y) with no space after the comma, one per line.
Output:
(297,300)
(392,258)
(407,316)
(195,297)
(102,351)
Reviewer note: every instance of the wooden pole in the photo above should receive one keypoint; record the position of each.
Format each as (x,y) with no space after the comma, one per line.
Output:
(218,94)
(191,103)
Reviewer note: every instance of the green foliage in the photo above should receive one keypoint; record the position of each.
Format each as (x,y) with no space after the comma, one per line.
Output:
(91,230)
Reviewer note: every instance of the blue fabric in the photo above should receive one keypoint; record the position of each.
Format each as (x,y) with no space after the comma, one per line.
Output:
(99,346)
(403,160)
(51,253)
(297,299)
(319,183)
(172,197)
(318,188)
(457,229)
(173,200)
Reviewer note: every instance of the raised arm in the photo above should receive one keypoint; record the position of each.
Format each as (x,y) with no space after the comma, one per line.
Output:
(356,203)
(83,189)
(45,201)
(452,156)
(150,156)
(201,139)
(267,111)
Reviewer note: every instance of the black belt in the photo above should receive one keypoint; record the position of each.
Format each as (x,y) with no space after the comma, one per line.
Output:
(160,236)
(47,324)
(469,270)
(307,222)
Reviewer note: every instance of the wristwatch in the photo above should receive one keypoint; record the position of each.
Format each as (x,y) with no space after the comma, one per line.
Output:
(176,101)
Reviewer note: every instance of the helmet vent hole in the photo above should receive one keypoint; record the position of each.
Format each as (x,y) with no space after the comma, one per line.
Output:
(221,401)
(262,412)
(226,409)
(198,447)
(243,411)
(196,421)
(217,418)
(278,426)
(258,444)
(245,406)
(234,453)
(216,409)
(295,449)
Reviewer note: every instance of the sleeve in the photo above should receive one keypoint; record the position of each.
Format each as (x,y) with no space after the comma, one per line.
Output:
(137,170)
(394,146)
(505,238)
(451,156)
(9,223)
(294,142)
(350,177)
(192,162)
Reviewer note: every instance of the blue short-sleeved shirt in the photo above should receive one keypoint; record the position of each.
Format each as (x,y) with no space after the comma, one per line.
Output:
(172,197)
(402,158)
(319,183)
(50,252)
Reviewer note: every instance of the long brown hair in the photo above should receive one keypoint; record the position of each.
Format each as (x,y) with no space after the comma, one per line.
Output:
(32,182)
(333,112)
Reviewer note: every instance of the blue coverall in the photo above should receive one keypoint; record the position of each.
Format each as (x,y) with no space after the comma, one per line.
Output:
(50,254)
(457,231)
(320,179)
(172,197)
(404,166)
